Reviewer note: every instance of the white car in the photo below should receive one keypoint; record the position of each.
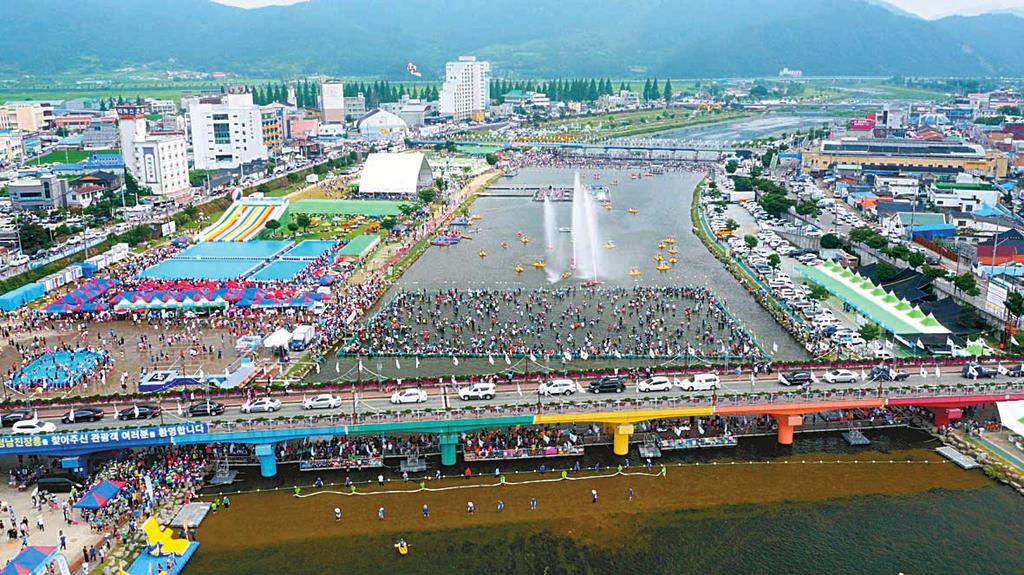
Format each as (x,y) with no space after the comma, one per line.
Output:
(557,387)
(410,395)
(262,404)
(840,376)
(700,382)
(478,390)
(322,401)
(32,427)
(657,383)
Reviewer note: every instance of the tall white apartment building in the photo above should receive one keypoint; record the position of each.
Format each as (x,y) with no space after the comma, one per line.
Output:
(466,92)
(162,164)
(226,131)
(332,101)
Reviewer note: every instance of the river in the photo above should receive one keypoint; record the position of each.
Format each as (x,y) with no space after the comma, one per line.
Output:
(746,129)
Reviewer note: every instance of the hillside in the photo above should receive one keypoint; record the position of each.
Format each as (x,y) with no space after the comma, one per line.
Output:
(678,38)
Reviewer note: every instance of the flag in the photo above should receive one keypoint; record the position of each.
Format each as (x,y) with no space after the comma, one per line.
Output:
(863,375)
(317,365)
(533,358)
(417,362)
(888,344)
(455,361)
(71,415)
(337,366)
(508,360)
(411,68)
(398,366)
(775,347)
(519,389)
(924,373)
(360,365)
(567,356)
(650,352)
(490,359)
(938,372)
(584,355)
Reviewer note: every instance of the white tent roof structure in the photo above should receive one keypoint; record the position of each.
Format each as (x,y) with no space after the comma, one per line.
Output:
(279,338)
(403,174)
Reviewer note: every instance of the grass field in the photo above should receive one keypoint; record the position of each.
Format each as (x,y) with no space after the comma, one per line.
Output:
(69,156)
(347,207)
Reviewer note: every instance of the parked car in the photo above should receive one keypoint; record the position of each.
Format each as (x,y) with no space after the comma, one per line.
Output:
(139,411)
(557,387)
(1013,371)
(796,378)
(62,483)
(81,414)
(322,401)
(14,416)
(657,383)
(409,395)
(974,370)
(884,373)
(608,383)
(840,376)
(700,382)
(32,427)
(261,404)
(207,408)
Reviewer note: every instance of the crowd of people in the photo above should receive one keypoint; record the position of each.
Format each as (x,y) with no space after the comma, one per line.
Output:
(566,322)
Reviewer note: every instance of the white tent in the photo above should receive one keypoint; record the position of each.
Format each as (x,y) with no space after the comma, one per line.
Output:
(279,338)
(395,174)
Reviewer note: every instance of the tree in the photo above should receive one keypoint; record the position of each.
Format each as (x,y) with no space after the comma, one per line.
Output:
(775,204)
(870,331)
(406,209)
(831,242)
(934,273)
(1014,303)
(730,167)
(885,272)
(191,211)
(819,293)
(427,195)
(915,259)
(967,283)
(667,94)
(263,189)
(731,224)
(389,223)
(750,240)
(774,261)
(303,221)
(273,226)
(293,227)
(807,209)
(491,159)
(293,178)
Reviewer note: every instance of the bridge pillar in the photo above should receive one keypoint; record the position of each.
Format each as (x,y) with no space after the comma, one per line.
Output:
(449,441)
(945,415)
(268,460)
(620,438)
(786,425)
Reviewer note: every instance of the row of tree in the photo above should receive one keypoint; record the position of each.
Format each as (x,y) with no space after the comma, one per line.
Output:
(652,92)
(383,91)
(307,93)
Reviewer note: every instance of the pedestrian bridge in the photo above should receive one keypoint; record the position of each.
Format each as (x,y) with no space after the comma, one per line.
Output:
(637,145)
(618,415)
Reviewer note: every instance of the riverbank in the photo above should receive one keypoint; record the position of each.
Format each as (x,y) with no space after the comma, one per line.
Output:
(277,532)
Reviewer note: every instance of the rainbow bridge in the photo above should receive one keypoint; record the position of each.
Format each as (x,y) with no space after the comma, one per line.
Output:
(618,416)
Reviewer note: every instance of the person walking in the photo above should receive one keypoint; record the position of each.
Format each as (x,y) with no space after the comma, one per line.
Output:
(501,505)
(337,514)
(470,508)
(426,510)
(593,496)
(380,514)
(533,503)
(631,494)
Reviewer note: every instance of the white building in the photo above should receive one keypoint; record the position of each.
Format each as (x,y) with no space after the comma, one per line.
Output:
(355,106)
(162,107)
(162,164)
(131,126)
(466,92)
(332,101)
(11,148)
(381,125)
(226,131)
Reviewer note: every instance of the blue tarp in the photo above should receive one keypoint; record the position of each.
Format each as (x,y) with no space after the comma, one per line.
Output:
(14,299)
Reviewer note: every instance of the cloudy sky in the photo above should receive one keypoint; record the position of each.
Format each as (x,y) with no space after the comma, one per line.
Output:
(925,8)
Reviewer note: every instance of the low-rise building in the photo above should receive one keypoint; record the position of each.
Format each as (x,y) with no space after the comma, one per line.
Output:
(381,125)
(162,164)
(963,196)
(11,148)
(355,106)
(902,224)
(906,156)
(46,192)
(102,134)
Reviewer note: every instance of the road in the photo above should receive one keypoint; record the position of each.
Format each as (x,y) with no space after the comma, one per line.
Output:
(508,397)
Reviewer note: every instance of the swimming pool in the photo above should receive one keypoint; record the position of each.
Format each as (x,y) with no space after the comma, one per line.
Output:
(200,269)
(310,249)
(257,250)
(280,270)
(58,369)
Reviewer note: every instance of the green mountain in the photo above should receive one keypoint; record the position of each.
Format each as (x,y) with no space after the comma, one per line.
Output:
(678,38)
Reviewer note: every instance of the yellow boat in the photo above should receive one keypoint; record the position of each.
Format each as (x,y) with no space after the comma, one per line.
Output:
(482,254)
(519,269)
(663,268)
(633,211)
(524,240)
(539,264)
(610,245)
(634,273)
(673,251)
(402,547)
(673,261)
(607,205)
(661,246)
(659,258)
(475,217)
(669,240)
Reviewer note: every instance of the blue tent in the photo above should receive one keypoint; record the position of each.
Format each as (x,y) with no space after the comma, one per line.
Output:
(99,496)
(31,561)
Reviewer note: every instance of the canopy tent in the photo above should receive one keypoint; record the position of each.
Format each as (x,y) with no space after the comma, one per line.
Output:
(35,561)
(892,313)
(99,496)
(279,338)
(1011,414)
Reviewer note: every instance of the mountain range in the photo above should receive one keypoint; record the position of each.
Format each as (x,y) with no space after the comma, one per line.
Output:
(522,38)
